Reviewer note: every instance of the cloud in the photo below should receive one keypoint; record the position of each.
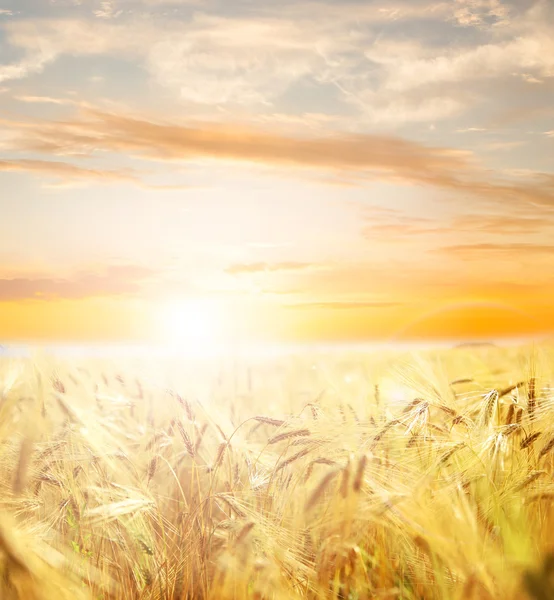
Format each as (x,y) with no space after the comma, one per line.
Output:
(383,108)
(64,172)
(511,116)
(220,59)
(477,13)
(343,281)
(262,267)
(241,60)
(265,245)
(342,305)
(114,281)
(43,41)
(363,157)
(487,249)
(43,100)
(518,41)
(532,54)
(411,280)
(531,79)
(112,132)
(471,130)
(255,58)
(502,146)
(107,10)
(26,67)
(501,224)
(176,2)
(260,52)
(393,225)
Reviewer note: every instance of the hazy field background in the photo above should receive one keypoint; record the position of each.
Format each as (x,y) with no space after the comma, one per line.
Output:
(383,473)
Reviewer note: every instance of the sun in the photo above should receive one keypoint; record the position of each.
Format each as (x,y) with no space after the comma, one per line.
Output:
(194,324)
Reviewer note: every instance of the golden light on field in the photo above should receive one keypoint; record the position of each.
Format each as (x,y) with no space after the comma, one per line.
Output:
(276,313)
(343,458)
(482,318)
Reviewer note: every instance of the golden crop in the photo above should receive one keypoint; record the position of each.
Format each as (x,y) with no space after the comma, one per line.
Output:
(345,476)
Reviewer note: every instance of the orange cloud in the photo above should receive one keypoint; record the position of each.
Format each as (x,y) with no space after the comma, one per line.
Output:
(403,226)
(507,248)
(363,156)
(64,171)
(413,279)
(170,141)
(343,305)
(115,281)
(502,224)
(391,224)
(262,267)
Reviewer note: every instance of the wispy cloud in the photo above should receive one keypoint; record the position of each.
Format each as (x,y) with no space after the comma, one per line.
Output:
(44,100)
(486,249)
(174,2)
(342,305)
(533,54)
(479,13)
(63,172)
(99,130)
(25,67)
(471,130)
(114,281)
(107,10)
(394,225)
(502,224)
(365,157)
(257,54)
(350,281)
(502,146)
(263,267)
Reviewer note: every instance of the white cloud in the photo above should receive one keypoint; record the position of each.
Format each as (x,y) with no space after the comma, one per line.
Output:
(107,10)
(174,2)
(406,70)
(55,37)
(480,12)
(208,59)
(27,66)
(231,60)
(530,78)
(398,109)
(501,146)
(253,60)
(43,41)
(43,100)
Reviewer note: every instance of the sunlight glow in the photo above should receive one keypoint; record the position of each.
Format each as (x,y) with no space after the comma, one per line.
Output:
(193,324)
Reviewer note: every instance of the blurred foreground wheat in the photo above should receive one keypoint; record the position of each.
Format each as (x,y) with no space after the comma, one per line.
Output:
(350,477)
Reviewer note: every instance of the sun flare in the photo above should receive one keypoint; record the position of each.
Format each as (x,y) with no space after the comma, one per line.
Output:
(195,324)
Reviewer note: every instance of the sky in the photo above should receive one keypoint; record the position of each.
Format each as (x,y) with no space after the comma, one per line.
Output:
(292,170)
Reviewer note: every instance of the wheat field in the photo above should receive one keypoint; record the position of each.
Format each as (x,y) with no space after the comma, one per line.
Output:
(346,475)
